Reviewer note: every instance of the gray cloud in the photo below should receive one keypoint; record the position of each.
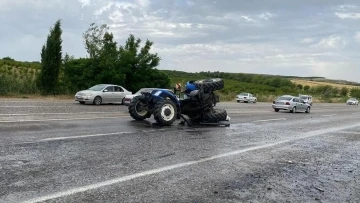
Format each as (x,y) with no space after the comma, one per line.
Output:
(304,38)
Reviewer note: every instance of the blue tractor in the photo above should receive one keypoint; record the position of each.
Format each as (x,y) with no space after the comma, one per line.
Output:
(198,104)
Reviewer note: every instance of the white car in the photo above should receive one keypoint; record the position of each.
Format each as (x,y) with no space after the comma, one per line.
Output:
(246,97)
(128,98)
(102,94)
(352,101)
(307,99)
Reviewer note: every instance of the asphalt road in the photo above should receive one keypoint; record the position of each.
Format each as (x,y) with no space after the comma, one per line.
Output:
(61,151)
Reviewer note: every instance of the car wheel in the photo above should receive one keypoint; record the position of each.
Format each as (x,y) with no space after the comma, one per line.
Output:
(97,100)
(255,101)
(122,101)
(307,110)
(81,102)
(293,110)
(277,110)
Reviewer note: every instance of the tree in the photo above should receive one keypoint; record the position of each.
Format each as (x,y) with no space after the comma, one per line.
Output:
(138,64)
(93,39)
(306,88)
(8,58)
(51,61)
(355,92)
(108,65)
(344,91)
(299,86)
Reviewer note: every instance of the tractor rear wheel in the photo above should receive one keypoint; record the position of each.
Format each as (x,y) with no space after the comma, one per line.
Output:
(215,115)
(210,84)
(136,108)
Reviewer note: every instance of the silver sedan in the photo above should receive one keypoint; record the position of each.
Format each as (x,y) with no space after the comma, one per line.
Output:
(352,101)
(291,103)
(102,94)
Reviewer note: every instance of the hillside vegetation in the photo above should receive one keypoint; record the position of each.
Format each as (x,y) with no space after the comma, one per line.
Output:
(18,78)
(268,87)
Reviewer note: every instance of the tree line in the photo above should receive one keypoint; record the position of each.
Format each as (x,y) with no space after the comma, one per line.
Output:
(131,65)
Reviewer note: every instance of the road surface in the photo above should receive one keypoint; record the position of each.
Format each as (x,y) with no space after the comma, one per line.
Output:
(61,151)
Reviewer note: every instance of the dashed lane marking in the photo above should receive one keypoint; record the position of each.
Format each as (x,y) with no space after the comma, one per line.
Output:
(274,119)
(35,106)
(30,114)
(60,119)
(82,136)
(330,115)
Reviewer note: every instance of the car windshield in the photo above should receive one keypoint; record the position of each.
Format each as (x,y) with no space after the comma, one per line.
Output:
(243,94)
(303,97)
(285,98)
(144,90)
(352,99)
(97,87)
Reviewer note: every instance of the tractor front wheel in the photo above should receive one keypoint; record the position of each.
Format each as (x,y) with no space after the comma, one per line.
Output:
(165,112)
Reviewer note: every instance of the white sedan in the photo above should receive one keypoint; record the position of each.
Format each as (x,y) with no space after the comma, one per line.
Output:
(352,101)
(102,94)
(246,98)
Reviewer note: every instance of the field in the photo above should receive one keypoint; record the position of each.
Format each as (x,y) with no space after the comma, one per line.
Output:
(318,83)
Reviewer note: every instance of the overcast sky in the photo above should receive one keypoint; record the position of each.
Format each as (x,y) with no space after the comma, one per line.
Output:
(304,38)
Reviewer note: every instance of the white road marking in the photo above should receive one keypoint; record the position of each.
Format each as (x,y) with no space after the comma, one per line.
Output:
(349,132)
(244,112)
(274,119)
(59,119)
(82,136)
(33,106)
(330,115)
(179,165)
(30,114)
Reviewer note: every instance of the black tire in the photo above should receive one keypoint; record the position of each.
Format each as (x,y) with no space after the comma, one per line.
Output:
(165,112)
(133,109)
(210,84)
(293,110)
(307,109)
(255,101)
(122,101)
(215,115)
(277,110)
(97,100)
(81,102)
